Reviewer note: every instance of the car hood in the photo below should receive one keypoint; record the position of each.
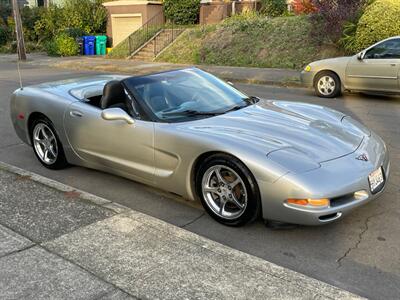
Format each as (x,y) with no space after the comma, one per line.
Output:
(333,61)
(300,130)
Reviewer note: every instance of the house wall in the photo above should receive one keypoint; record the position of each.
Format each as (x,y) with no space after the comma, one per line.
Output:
(147,11)
(213,12)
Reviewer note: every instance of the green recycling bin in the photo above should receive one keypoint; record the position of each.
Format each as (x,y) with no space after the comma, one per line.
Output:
(101,44)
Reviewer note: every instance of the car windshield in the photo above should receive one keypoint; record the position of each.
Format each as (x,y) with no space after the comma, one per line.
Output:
(186,94)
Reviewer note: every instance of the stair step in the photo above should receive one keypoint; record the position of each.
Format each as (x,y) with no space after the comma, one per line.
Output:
(159,42)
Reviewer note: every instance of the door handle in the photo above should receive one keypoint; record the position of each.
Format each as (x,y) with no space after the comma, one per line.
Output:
(393,65)
(75,113)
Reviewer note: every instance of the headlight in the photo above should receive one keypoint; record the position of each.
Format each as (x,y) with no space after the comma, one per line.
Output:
(308,68)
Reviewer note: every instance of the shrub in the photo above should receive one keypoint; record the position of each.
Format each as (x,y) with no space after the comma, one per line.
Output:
(85,16)
(49,24)
(4,35)
(90,16)
(348,40)
(273,8)
(303,7)
(29,17)
(379,21)
(182,12)
(5,12)
(62,45)
(330,17)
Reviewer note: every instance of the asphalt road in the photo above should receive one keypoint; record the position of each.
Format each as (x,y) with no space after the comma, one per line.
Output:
(360,253)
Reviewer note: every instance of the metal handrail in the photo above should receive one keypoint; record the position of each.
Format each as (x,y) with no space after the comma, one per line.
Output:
(145,32)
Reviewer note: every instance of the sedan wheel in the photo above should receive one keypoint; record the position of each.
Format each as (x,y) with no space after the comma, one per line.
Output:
(227,189)
(327,85)
(46,145)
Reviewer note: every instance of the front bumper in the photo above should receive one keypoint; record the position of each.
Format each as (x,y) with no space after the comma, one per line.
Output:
(337,180)
(307,79)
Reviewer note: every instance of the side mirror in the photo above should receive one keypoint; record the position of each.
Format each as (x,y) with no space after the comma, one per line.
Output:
(360,56)
(113,114)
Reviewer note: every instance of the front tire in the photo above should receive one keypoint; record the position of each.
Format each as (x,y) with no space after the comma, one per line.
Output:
(327,85)
(228,190)
(46,145)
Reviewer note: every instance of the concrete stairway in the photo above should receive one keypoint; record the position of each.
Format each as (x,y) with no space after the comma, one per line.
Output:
(156,44)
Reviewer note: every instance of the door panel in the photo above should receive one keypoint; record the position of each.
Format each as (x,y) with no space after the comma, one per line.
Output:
(373,74)
(114,144)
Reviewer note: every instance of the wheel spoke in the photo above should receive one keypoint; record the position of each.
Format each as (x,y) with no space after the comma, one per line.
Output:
(235,183)
(52,152)
(46,136)
(235,201)
(210,189)
(222,208)
(41,142)
(219,176)
(46,154)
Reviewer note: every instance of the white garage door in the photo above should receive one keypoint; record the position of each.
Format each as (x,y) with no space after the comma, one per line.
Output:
(123,25)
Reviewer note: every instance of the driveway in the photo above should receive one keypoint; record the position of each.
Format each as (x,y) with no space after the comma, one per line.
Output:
(360,253)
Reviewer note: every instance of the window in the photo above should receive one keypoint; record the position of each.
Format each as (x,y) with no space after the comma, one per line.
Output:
(386,50)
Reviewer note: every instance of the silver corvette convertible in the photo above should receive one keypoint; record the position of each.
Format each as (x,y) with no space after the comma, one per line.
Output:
(190,133)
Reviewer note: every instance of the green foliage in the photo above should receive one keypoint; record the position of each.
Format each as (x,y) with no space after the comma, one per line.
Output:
(348,40)
(50,23)
(273,8)
(5,12)
(29,17)
(4,35)
(380,21)
(62,45)
(182,12)
(10,47)
(74,17)
(88,15)
(253,42)
(244,21)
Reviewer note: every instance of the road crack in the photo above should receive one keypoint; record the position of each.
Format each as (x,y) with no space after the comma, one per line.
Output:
(359,240)
(194,220)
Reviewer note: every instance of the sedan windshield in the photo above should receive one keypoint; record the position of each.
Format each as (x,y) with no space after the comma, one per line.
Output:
(186,94)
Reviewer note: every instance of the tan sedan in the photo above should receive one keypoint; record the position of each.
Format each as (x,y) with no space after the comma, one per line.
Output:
(375,69)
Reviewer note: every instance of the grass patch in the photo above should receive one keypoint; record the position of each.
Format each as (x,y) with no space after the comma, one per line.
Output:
(255,41)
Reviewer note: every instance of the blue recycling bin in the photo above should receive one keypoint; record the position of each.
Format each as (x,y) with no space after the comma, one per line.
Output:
(89,42)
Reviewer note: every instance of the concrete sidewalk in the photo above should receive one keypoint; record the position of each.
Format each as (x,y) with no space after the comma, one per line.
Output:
(60,243)
(281,77)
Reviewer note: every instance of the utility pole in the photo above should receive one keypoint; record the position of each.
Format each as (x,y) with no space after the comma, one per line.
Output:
(18,31)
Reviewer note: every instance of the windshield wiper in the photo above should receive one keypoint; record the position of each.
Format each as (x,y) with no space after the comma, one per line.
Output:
(236,107)
(190,112)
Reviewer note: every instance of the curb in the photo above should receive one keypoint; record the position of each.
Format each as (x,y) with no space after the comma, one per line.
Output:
(96,200)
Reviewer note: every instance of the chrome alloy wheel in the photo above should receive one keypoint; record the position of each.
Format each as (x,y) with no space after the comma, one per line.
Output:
(224,192)
(45,143)
(326,85)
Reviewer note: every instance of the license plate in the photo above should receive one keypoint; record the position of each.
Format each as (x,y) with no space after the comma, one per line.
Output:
(375,180)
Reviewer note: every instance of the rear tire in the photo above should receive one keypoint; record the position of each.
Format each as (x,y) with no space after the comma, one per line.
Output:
(228,190)
(327,85)
(46,144)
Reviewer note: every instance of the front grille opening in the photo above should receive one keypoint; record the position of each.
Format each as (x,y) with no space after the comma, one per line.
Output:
(329,217)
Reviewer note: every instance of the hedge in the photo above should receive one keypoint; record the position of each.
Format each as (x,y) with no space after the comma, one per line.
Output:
(379,21)
(182,12)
